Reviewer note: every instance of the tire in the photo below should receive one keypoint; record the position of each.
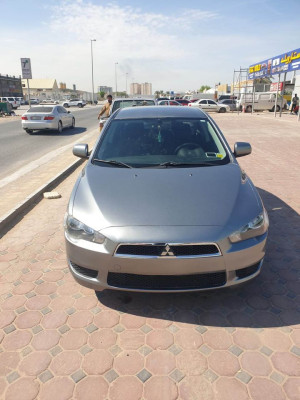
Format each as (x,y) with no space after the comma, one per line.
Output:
(59,127)
(248,109)
(80,105)
(222,110)
(29,131)
(66,105)
(73,123)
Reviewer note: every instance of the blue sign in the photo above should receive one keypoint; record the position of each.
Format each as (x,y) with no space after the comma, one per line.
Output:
(287,62)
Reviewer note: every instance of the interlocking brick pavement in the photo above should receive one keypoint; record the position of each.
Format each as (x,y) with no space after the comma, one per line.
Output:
(61,341)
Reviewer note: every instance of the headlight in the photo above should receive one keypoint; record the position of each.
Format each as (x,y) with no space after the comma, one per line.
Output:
(258,226)
(76,230)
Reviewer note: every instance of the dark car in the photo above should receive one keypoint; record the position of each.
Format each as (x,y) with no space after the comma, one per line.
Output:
(184,102)
(230,102)
(227,97)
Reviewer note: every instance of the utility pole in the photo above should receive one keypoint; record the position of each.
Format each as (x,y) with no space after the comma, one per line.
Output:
(92,40)
(116,77)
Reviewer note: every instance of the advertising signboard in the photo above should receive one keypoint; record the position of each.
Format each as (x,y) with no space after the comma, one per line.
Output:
(26,68)
(274,87)
(286,62)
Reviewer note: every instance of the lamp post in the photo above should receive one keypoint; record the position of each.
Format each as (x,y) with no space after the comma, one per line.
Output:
(126,83)
(116,77)
(92,40)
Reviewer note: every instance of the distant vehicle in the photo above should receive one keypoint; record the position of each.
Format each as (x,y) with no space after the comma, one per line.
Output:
(261,101)
(47,117)
(74,102)
(230,102)
(227,97)
(162,98)
(33,100)
(210,105)
(169,103)
(183,102)
(21,100)
(49,101)
(12,100)
(199,96)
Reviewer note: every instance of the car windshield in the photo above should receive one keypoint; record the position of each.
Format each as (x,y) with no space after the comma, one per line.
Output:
(40,109)
(131,103)
(160,142)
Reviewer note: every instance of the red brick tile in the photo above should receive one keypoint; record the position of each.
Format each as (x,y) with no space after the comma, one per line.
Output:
(55,319)
(46,288)
(223,363)
(188,338)
(45,340)
(292,388)
(37,302)
(35,363)
(66,362)
(91,388)
(287,363)
(12,276)
(159,339)
(157,323)
(131,321)
(6,318)
(5,287)
(160,362)
(255,363)
(129,362)
(58,388)
(53,276)
(263,388)
(31,276)
(3,385)
(102,339)
(191,362)
(131,339)
(230,389)
(59,265)
(86,303)
(8,256)
(276,340)
(160,387)
(80,319)
(74,339)
(17,340)
(192,386)
(14,302)
(295,336)
(23,388)
(106,319)
(68,288)
(45,255)
(62,303)
(97,362)
(218,339)
(8,362)
(247,339)
(24,288)
(127,387)
(28,319)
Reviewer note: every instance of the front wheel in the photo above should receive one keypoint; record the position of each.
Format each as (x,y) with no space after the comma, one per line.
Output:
(29,131)
(80,105)
(222,110)
(66,105)
(249,109)
(277,109)
(73,123)
(60,127)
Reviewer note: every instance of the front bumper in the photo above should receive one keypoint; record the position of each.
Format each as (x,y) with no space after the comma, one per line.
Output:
(97,267)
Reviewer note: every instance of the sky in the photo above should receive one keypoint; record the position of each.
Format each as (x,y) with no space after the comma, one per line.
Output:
(174,44)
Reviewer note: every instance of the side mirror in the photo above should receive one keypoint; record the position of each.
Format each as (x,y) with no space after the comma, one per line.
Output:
(81,150)
(242,149)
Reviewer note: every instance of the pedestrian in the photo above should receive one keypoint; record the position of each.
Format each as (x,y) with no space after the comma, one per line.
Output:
(105,110)
(295,101)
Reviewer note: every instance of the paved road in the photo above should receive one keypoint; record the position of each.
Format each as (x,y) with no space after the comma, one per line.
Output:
(18,148)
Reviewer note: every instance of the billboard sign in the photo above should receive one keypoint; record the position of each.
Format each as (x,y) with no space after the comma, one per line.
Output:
(26,68)
(274,87)
(287,62)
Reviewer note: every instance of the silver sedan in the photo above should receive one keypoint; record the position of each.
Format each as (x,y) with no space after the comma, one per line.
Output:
(163,206)
(48,116)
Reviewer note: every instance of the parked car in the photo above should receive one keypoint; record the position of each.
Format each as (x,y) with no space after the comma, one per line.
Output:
(163,206)
(169,103)
(33,101)
(227,97)
(162,98)
(21,100)
(260,101)
(230,103)
(12,100)
(183,102)
(44,117)
(210,106)
(74,103)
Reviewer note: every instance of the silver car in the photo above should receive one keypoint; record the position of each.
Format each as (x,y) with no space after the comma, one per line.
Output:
(163,206)
(47,117)
(210,106)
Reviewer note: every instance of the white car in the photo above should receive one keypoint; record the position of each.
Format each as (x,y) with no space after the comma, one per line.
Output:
(12,100)
(210,105)
(74,102)
(49,116)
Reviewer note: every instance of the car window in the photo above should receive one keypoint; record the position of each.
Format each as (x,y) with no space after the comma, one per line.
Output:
(11,99)
(131,103)
(40,110)
(203,102)
(149,142)
(211,102)
(61,110)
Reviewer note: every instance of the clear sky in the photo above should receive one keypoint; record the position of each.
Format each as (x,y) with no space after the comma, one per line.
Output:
(174,44)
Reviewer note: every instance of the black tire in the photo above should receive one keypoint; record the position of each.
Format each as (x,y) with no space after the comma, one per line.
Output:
(29,131)
(66,105)
(248,109)
(73,123)
(60,127)
(80,105)
(222,110)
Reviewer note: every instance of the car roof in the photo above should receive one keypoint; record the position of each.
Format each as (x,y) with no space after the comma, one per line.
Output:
(132,98)
(159,112)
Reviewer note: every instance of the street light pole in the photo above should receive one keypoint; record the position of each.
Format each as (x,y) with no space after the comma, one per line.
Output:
(126,82)
(92,40)
(116,78)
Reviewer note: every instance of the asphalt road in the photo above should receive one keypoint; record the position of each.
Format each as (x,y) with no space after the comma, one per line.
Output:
(17,148)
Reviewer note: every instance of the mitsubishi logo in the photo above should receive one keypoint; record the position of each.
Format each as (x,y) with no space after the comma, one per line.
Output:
(167,252)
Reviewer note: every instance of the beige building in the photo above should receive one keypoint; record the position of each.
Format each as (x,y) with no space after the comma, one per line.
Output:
(141,89)
(135,89)
(41,88)
(146,88)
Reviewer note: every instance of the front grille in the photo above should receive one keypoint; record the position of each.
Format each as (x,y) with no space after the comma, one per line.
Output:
(148,250)
(244,272)
(90,273)
(167,282)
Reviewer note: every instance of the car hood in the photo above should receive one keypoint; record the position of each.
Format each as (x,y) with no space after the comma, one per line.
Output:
(203,196)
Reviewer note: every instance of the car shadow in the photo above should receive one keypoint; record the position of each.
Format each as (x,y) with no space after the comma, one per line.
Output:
(269,300)
(65,132)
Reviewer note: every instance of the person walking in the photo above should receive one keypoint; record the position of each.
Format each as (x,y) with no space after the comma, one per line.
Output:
(105,110)
(295,102)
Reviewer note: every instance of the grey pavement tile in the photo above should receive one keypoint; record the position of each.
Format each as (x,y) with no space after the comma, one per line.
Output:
(7,296)
(26,351)
(96,310)
(66,270)
(30,294)
(45,376)
(258,330)
(12,377)
(286,329)
(56,350)
(46,310)
(78,375)
(71,310)
(36,329)
(236,350)
(39,281)
(10,328)
(205,350)
(115,350)
(17,283)
(210,375)
(175,349)
(177,375)
(276,377)
(145,350)
(60,282)
(77,295)
(46,270)
(244,377)
(20,310)
(230,329)
(146,329)
(25,270)
(266,350)
(91,328)
(111,375)
(201,329)
(296,350)
(144,375)
(85,349)
(53,295)
(63,329)
(173,328)
(119,328)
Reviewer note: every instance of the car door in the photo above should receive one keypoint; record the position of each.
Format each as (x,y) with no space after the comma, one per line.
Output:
(63,115)
(212,106)
(203,105)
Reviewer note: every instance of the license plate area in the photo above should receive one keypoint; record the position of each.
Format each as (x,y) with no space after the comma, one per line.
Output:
(35,118)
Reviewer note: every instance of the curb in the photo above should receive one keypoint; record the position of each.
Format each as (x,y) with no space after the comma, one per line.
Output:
(11,218)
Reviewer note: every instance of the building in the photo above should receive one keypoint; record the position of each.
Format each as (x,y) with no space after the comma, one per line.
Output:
(41,88)
(141,89)
(135,89)
(105,89)
(10,86)
(146,88)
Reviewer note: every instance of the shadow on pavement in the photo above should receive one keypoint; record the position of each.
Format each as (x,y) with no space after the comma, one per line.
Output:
(65,132)
(269,300)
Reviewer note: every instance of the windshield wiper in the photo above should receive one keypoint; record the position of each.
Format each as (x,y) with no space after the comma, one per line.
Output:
(113,162)
(177,164)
